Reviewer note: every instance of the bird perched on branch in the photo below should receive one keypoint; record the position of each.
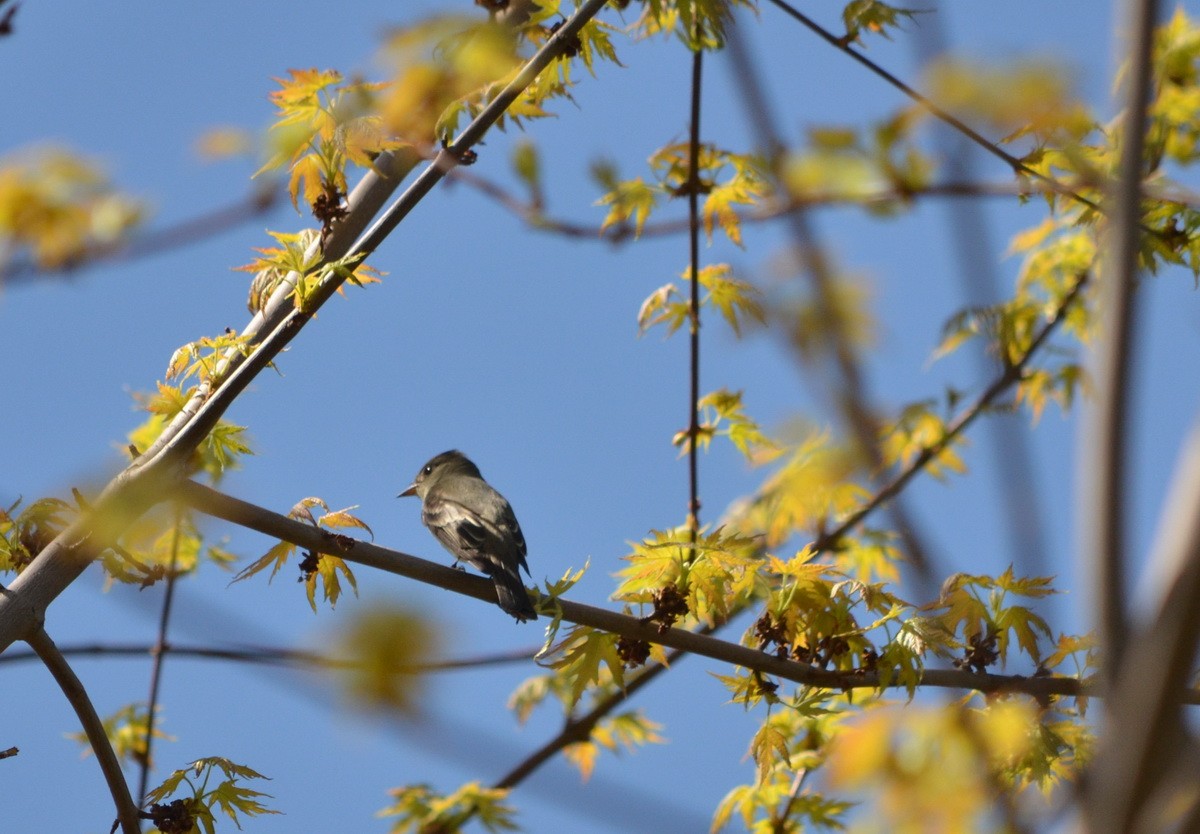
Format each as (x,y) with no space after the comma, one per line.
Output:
(476,524)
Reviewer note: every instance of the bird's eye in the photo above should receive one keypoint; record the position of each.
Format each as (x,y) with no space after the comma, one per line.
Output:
(428,470)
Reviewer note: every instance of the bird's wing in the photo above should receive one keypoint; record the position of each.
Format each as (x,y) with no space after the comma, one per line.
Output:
(510,526)
(459,530)
(492,511)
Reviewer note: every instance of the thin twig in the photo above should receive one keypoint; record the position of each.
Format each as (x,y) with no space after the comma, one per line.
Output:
(533,212)
(693,190)
(1009,377)
(181,234)
(158,656)
(93,728)
(793,794)
(269,656)
(580,729)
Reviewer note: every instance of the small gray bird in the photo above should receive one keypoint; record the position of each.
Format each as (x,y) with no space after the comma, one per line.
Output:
(476,524)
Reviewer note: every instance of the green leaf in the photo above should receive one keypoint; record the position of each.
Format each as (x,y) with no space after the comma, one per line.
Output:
(874,16)
(768,747)
(584,654)
(736,300)
(630,199)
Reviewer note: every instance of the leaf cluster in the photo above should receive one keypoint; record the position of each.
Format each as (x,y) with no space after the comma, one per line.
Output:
(59,206)
(737,301)
(700,24)
(418,808)
(200,802)
(859,165)
(725,179)
(316,569)
(128,731)
(24,532)
(223,447)
(322,124)
(301,264)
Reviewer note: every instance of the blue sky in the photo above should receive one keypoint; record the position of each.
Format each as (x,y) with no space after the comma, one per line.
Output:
(517,347)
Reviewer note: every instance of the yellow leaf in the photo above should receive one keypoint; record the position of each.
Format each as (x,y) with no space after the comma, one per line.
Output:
(583,755)
(224,142)
(1031,238)
(384,649)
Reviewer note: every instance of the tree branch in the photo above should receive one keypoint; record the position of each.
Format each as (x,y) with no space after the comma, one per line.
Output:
(1145,731)
(693,192)
(843,45)
(1009,377)
(150,476)
(93,728)
(1103,455)
(186,232)
(852,399)
(214,503)
(533,213)
(269,656)
(158,656)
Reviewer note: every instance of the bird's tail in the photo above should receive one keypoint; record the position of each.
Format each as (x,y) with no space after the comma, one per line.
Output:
(510,593)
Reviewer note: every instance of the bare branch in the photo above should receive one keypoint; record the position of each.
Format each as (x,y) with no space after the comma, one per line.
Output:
(177,236)
(693,193)
(534,215)
(93,728)
(1102,464)
(270,656)
(1142,748)
(159,657)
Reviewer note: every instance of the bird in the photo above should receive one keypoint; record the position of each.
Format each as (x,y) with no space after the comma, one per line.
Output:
(476,524)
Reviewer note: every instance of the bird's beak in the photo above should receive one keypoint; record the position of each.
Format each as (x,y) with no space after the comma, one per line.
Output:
(412,490)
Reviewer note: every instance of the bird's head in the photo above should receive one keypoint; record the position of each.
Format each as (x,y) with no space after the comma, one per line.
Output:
(446,464)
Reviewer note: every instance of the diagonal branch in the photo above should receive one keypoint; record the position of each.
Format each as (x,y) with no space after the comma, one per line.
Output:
(843,45)
(853,400)
(148,478)
(214,503)
(1010,376)
(93,728)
